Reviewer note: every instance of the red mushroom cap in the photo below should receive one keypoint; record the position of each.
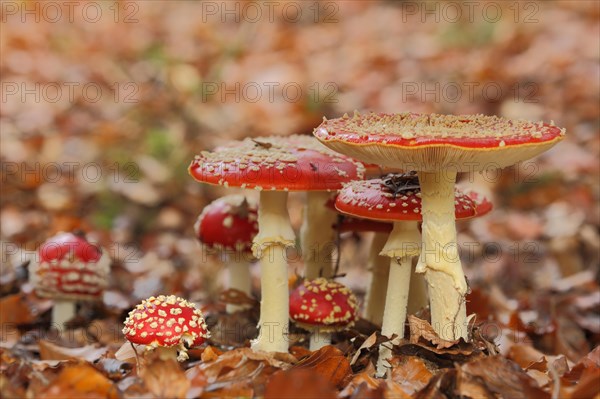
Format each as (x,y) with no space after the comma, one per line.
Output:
(437,142)
(228,223)
(414,130)
(292,163)
(349,223)
(70,268)
(68,245)
(323,303)
(373,199)
(166,321)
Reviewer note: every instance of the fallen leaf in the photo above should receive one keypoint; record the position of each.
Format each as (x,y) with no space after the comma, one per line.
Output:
(293,383)
(504,377)
(79,380)
(50,351)
(528,357)
(422,329)
(113,368)
(164,378)
(330,363)
(410,373)
(368,343)
(210,353)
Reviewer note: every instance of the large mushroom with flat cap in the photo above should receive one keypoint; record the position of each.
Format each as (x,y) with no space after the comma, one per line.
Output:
(438,147)
(397,198)
(228,225)
(69,269)
(274,166)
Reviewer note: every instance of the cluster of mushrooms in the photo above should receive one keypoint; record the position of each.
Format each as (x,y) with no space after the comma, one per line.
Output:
(412,213)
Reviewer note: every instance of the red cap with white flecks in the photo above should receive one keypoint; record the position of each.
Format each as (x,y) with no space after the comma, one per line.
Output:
(228,223)
(324,304)
(166,321)
(277,163)
(70,267)
(385,199)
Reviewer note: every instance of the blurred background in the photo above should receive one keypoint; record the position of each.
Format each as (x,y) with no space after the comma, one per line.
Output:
(104,104)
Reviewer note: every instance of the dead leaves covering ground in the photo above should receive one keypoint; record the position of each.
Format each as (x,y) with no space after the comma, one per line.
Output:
(535,335)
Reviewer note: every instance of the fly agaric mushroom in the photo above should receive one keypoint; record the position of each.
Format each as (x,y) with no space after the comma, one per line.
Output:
(274,166)
(438,147)
(322,306)
(168,324)
(69,269)
(229,225)
(397,198)
(379,266)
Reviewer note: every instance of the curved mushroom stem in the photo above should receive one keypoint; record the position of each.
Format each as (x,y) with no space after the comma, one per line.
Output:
(319,339)
(274,236)
(418,298)
(380,271)
(394,315)
(239,278)
(62,311)
(439,258)
(317,235)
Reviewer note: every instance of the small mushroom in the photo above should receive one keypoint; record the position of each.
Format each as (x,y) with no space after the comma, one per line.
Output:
(322,306)
(400,203)
(228,225)
(438,147)
(68,269)
(168,324)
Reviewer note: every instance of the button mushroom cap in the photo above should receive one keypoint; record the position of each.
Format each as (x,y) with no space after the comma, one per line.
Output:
(166,321)
(371,199)
(281,163)
(436,142)
(324,304)
(228,223)
(70,268)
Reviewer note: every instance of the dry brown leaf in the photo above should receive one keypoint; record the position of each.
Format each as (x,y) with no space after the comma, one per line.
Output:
(19,309)
(113,368)
(330,363)
(528,357)
(368,343)
(439,387)
(503,377)
(79,380)
(410,373)
(422,329)
(210,353)
(297,382)
(164,378)
(364,379)
(51,351)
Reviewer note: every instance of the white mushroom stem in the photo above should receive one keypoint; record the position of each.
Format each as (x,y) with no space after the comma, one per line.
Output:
(317,237)
(418,298)
(169,353)
(380,270)
(319,339)
(394,316)
(439,258)
(239,278)
(401,246)
(62,311)
(274,236)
